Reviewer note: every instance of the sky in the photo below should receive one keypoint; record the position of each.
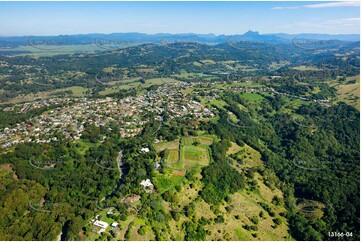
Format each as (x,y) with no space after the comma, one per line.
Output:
(56,18)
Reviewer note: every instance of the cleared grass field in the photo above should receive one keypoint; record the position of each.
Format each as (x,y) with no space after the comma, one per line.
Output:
(306,68)
(249,156)
(190,75)
(233,118)
(233,149)
(133,83)
(252,96)
(350,93)
(208,62)
(172,156)
(218,103)
(202,140)
(180,158)
(310,209)
(166,145)
(194,155)
(134,234)
(77,91)
(165,182)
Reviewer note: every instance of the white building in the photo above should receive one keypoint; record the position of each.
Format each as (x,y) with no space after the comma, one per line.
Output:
(101,224)
(146,183)
(114,224)
(144,150)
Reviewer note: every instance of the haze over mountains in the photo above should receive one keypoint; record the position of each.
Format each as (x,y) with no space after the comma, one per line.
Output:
(82,39)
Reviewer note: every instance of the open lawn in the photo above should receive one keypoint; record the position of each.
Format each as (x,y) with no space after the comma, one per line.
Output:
(218,103)
(252,96)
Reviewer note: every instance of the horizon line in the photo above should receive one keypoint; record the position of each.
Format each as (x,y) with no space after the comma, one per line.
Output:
(160,33)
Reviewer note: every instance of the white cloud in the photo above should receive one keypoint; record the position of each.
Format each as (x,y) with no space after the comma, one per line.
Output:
(333,4)
(323,5)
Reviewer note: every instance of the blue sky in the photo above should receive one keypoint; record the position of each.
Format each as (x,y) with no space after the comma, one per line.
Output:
(54,18)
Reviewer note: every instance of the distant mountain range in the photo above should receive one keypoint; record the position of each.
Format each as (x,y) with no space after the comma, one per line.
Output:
(83,39)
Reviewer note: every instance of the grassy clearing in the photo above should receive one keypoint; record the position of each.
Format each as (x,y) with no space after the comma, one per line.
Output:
(166,145)
(133,83)
(243,207)
(77,91)
(311,209)
(237,84)
(278,65)
(208,62)
(205,140)
(83,146)
(195,155)
(165,182)
(189,75)
(234,149)
(5,170)
(242,210)
(134,234)
(172,157)
(252,97)
(233,117)
(249,157)
(200,139)
(187,91)
(350,93)
(218,103)
(306,68)
(177,161)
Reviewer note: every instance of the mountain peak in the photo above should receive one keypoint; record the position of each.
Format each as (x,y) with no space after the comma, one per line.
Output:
(250,32)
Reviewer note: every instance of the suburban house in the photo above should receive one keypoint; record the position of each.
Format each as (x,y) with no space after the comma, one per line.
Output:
(144,150)
(147,184)
(101,224)
(114,224)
